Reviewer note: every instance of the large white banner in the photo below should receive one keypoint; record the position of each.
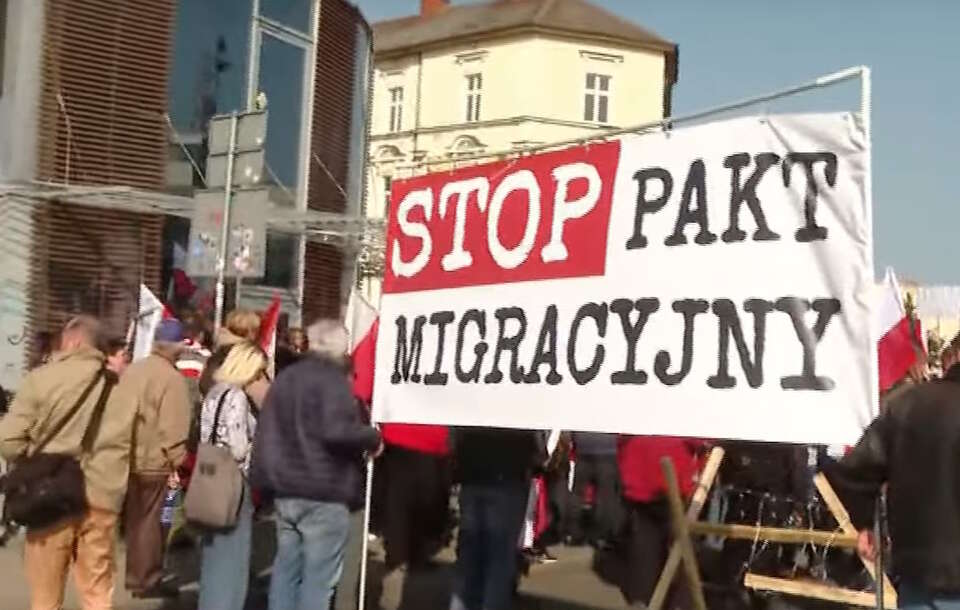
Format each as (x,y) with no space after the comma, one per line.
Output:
(711,282)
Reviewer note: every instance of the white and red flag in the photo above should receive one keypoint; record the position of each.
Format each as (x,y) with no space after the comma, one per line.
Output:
(269,322)
(363,321)
(149,314)
(898,341)
(268,326)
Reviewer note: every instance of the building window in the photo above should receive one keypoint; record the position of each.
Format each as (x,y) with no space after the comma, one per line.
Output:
(291,13)
(474,87)
(596,102)
(281,79)
(283,251)
(396,108)
(387,183)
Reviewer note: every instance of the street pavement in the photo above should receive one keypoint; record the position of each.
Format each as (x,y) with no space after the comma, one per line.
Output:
(568,584)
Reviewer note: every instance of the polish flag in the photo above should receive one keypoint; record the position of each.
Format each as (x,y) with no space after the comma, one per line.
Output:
(268,330)
(898,344)
(363,321)
(149,313)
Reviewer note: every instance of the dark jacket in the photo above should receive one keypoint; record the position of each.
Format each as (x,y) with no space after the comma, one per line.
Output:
(914,447)
(595,444)
(311,438)
(493,455)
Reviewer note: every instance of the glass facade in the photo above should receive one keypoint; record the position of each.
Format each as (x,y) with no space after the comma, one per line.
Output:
(294,14)
(282,81)
(211,66)
(210,61)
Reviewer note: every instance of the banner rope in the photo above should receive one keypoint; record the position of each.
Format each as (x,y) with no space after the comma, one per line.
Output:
(667,123)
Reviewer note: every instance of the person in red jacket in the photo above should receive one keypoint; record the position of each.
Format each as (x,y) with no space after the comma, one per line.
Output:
(416,475)
(648,515)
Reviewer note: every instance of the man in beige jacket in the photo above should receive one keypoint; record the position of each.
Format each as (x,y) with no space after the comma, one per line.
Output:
(161,402)
(86,541)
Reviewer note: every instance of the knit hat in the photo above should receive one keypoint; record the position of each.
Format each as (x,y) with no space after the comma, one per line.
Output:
(169,330)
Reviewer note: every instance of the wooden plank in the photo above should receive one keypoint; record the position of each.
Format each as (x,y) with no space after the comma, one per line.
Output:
(678,519)
(803,588)
(774,534)
(707,477)
(840,513)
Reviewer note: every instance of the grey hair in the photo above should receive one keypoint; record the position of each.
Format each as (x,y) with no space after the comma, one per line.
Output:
(328,338)
(87,328)
(168,350)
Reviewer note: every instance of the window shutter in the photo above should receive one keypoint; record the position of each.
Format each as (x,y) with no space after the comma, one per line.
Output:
(340,44)
(105,64)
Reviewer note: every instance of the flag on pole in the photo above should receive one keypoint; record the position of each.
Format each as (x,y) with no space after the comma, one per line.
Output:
(268,331)
(363,321)
(149,314)
(268,326)
(898,344)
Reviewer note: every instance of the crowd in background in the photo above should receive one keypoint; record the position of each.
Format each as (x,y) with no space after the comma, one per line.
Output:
(300,441)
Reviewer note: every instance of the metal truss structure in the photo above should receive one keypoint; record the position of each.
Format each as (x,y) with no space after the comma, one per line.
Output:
(365,236)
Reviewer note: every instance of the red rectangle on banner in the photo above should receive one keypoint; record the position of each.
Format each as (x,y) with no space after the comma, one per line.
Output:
(532,218)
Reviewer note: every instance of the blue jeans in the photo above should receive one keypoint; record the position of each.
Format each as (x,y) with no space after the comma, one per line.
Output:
(311,538)
(491,518)
(225,563)
(912,597)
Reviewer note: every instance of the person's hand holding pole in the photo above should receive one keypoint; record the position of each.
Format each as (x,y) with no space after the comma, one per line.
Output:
(867,545)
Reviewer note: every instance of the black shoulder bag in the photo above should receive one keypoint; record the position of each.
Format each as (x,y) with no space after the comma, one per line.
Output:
(44,488)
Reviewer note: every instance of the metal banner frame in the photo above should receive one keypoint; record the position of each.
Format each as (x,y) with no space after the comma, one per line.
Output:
(856,72)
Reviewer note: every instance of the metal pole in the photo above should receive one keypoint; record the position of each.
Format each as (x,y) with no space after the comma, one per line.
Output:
(879,568)
(866,107)
(225,230)
(827,80)
(362,596)
(253,56)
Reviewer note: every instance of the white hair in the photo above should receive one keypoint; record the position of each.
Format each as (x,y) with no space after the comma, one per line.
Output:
(328,338)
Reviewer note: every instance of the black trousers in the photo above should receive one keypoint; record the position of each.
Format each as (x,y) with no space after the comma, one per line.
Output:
(648,539)
(415,507)
(602,472)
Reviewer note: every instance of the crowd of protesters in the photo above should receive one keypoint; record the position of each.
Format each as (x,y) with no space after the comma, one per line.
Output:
(301,442)
(134,429)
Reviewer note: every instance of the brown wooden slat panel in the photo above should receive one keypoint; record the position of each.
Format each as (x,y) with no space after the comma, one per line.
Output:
(321,283)
(108,61)
(331,132)
(85,261)
(333,107)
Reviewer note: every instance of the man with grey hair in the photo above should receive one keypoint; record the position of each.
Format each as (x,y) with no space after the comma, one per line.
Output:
(161,402)
(308,455)
(328,339)
(69,406)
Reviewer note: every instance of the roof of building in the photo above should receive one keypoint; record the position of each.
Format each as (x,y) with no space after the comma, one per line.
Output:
(571,17)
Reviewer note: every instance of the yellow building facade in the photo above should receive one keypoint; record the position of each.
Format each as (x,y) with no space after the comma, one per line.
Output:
(459,85)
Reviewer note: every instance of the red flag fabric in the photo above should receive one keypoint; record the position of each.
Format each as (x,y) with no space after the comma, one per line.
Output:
(364,357)
(362,321)
(183,286)
(898,345)
(541,520)
(897,351)
(268,326)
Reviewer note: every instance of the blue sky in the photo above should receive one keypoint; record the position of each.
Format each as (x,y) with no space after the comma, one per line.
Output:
(731,49)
